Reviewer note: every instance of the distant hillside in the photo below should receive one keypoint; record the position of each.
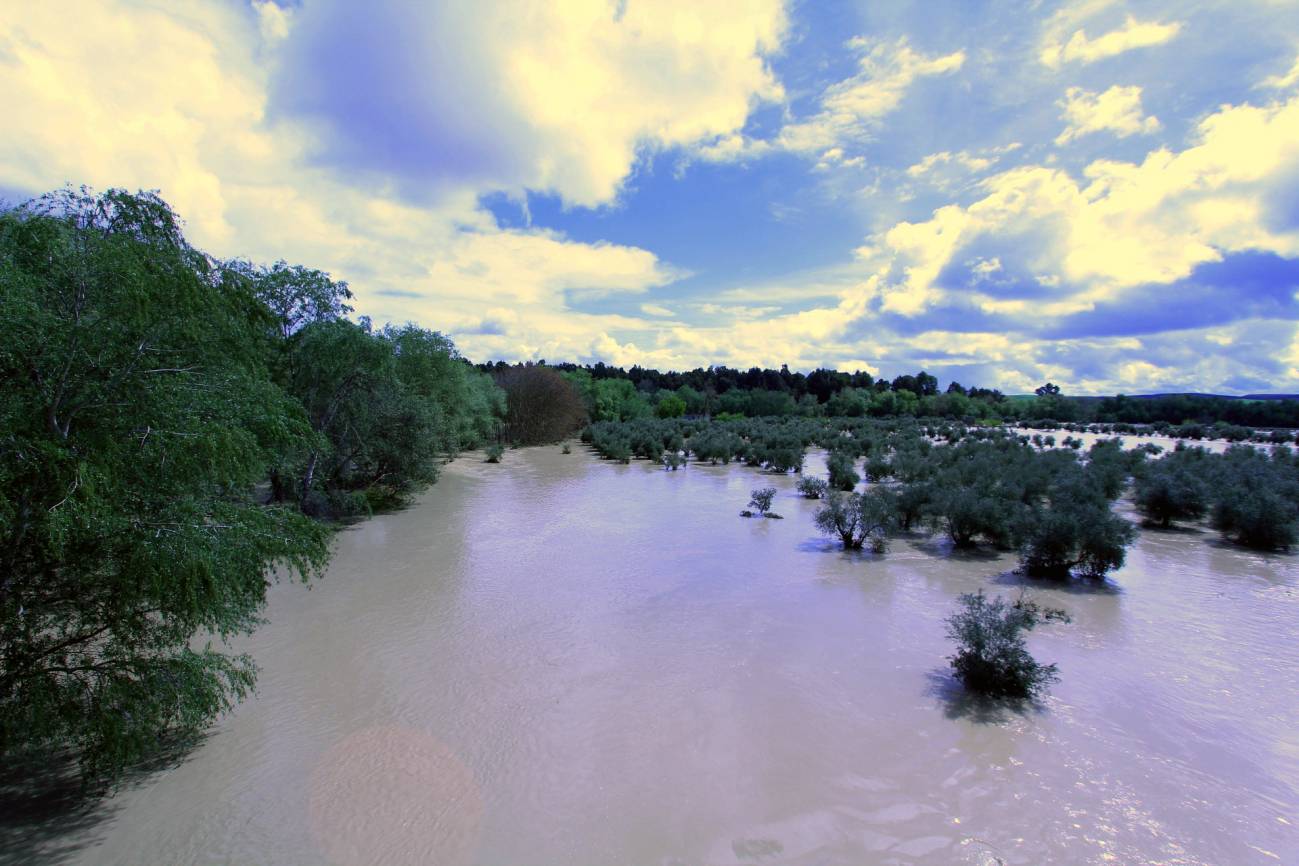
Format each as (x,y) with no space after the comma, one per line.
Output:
(1176,394)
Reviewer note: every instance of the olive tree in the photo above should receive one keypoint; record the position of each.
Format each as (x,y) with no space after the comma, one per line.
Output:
(854,518)
(992,657)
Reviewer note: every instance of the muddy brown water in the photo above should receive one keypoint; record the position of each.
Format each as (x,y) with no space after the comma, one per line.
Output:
(558,660)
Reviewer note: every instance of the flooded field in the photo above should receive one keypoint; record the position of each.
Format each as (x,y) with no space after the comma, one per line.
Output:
(563,661)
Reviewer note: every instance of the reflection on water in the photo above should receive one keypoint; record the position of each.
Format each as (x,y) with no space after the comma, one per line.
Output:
(563,661)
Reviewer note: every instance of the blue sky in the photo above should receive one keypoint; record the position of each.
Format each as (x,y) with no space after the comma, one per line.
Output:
(1099,193)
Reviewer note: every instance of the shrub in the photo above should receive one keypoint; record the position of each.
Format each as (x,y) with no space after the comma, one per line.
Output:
(992,657)
(494,452)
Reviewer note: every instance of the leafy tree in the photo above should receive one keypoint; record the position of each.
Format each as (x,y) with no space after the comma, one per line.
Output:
(1170,490)
(878,468)
(694,401)
(541,405)
(987,511)
(296,296)
(671,406)
(812,487)
(992,657)
(854,519)
(848,403)
(1075,530)
(138,416)
(760,500)
(1256,499)
(842,474)
(618,400)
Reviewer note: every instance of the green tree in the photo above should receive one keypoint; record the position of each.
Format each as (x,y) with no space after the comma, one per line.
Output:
(992,657)
(694,400)
(1075,530)
(1256,498)
(1169,490)
(618,400)
(840,465)
(670,406)
(812,487)
(854,519)
(760,500)
(137,417)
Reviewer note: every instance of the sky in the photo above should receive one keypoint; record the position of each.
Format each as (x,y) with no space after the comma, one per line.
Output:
(1101,194)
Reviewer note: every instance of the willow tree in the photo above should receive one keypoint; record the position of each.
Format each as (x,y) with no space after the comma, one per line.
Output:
(137,416)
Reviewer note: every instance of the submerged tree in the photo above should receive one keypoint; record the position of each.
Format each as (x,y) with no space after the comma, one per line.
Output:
(1169,490)
(760,501)
(992,657)
(854,519)
(1076,530)
(1256,498)
(842,474)
(812,487)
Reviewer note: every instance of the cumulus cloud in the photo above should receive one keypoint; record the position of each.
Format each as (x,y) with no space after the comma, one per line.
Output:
(1081,49)
(1117,110)
(1125,224)
(522,94)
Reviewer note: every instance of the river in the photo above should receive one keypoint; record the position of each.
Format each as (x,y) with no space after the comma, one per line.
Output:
(559,660)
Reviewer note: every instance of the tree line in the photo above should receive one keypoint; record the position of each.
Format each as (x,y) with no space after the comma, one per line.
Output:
(616,394)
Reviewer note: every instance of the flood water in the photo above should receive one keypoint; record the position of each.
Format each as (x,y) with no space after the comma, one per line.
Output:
(558,660)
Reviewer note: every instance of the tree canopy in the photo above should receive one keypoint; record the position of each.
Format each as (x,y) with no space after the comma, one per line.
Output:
(167,423)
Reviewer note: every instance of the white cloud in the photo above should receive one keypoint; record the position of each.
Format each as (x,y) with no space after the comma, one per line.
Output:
(1127,224)
(1281,82)
(962,159)
(176,100)
(1079,48)
(1119,228)
(1117,110)
(557,97)
(850,110)
(949,170)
